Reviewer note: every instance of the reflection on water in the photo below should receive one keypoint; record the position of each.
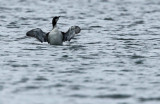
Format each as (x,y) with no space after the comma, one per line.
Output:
(113,60)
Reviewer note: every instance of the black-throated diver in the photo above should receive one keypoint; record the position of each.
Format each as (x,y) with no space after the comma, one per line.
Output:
(54,37)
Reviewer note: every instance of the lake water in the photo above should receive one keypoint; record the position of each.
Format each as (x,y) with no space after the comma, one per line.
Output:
(114,60)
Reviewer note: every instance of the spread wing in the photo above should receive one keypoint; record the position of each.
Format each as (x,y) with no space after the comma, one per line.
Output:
(72,31)
(38,34)
(43,36)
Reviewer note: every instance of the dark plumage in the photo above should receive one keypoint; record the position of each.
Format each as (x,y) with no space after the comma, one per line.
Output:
(38,34)
(55,20)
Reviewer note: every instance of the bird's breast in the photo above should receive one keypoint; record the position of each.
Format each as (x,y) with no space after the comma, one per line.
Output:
(55,37)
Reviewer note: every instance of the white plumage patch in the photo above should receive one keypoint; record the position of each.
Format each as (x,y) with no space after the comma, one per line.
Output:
(66,43)
(55,37)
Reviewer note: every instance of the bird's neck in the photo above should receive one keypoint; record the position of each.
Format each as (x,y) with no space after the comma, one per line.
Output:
(54,23)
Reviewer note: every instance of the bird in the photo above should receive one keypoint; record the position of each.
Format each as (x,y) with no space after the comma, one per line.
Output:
(55,36)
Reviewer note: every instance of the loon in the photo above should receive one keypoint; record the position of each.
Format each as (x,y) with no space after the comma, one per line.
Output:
(54,37)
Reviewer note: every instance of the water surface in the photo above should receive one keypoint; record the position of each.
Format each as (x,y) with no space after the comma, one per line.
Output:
(114,60)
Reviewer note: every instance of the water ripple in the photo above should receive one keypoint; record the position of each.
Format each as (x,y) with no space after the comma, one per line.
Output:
(114,60)
(114,96)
